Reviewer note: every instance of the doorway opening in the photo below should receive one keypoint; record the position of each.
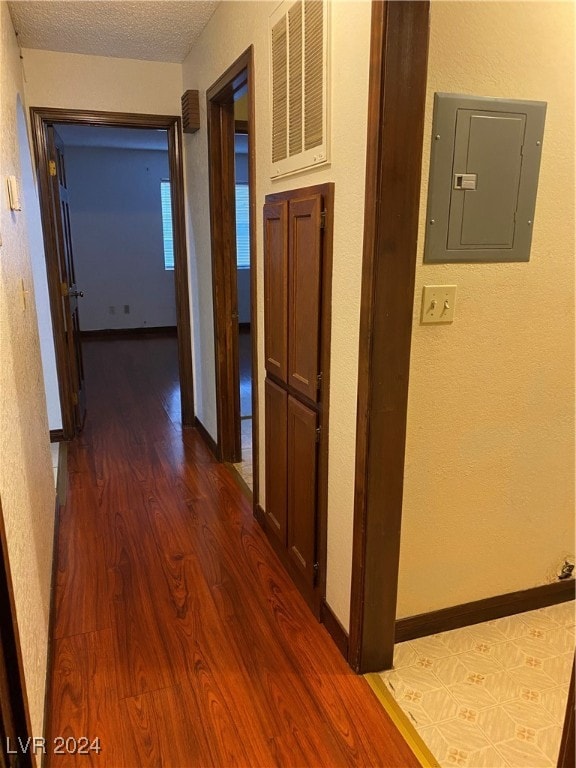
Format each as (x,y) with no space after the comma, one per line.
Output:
(243,274)
(230,107)
(54,129)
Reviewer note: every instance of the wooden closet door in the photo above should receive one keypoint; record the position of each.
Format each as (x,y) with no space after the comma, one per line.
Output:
(302,477)
(305,260)
(276,288)
(276,401)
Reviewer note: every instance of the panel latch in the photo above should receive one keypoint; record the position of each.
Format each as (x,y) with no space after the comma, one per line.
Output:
(465,180)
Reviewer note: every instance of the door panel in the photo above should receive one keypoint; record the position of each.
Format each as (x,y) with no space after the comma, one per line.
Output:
(305,257)
(276,288)
(276,401)
(302,474)
(63,237)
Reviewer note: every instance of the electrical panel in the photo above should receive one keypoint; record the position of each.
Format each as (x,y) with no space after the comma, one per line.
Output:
(484,165)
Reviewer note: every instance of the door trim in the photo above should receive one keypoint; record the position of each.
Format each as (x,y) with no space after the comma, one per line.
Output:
(397,96)
(219,102)
(41,117)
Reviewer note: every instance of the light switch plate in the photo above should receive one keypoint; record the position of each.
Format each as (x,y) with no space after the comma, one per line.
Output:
(438,303)
(14,193)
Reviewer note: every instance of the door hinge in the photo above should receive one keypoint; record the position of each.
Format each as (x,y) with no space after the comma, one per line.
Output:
(316,568)
(318,430)
(318,381)
(75,398)
(323,220)
(52,167)
(64,289)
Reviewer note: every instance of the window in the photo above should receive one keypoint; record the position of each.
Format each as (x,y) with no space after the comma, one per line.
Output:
(167,235)
(242,227)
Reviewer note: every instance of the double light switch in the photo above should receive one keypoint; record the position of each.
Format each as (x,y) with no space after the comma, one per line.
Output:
(438,303)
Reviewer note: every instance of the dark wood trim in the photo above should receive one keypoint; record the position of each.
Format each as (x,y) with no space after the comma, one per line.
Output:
(323,407)
(220,114)
(241,126)
(233,82)
(62,476)
(206,436)
(106,334)
(237,80)
(244,327)
(56,435)
(567,754)
(14,714)
(483,610)
(397,95)
(334,628)
(181,277)
(260,515)
(40,118)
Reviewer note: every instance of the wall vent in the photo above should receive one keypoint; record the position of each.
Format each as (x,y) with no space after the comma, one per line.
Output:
(190,112)
(299,77)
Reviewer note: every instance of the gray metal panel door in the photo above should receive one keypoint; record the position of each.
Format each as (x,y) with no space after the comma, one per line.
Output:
(490,147)
(484,165)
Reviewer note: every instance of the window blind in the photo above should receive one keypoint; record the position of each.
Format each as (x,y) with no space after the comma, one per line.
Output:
(167,234)
(242,226)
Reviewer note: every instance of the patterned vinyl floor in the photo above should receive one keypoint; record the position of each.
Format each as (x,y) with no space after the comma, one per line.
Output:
(490,695)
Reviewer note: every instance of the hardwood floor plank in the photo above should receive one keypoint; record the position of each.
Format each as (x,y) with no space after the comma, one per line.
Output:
(84,700)
(158,730)
(145,662)
(180,639)
(82,599)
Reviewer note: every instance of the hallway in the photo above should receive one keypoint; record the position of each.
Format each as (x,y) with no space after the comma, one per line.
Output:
(178,639)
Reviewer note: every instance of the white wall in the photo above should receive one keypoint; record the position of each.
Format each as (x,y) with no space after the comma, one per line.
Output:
(26,480)
(76,81)
(116,222)
(233,27)
(489,481)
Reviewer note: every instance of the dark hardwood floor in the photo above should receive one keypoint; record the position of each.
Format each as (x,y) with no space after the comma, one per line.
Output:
(178,638)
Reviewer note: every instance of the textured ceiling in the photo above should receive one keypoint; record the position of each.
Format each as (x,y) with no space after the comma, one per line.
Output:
(147,29)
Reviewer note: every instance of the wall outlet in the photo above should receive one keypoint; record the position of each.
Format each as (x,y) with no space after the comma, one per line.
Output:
(438,303)
(126,309)
(111,310)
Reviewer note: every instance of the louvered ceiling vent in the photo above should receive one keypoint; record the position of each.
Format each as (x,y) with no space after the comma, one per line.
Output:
(299,87)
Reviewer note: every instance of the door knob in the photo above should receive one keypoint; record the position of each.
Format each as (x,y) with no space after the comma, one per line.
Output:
(77,294)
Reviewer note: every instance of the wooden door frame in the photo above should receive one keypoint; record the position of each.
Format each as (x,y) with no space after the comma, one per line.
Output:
(219,103)
(397,97)
(14,714)
(40,118)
